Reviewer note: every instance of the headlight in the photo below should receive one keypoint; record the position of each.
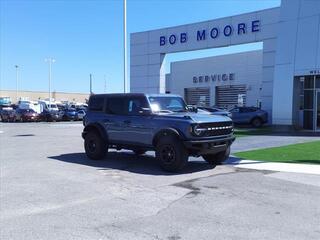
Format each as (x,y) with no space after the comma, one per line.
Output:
(198,131)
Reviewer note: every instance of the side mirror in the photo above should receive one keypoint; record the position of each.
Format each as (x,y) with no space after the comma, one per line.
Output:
(145,111)
(192,108)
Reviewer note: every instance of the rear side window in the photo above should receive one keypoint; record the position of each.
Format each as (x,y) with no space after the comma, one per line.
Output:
(96,104)
(116,106)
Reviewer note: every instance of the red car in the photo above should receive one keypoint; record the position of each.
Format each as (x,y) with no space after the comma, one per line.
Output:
(27,115)
(8,115)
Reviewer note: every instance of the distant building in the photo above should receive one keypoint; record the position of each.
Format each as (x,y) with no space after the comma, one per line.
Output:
(37,95)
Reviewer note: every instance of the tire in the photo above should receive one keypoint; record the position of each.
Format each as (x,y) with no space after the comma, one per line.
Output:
(256,122)
(94,145)
(139,151)
(171,154)
(217,158)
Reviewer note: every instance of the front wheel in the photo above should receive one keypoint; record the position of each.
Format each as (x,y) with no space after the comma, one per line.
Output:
(171,154)
(217,158)
(95,146)
(256,122)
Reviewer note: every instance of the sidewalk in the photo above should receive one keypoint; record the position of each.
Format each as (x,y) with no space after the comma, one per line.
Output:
(275,166)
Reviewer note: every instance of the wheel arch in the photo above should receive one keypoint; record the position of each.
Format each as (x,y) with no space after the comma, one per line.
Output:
(97,128)
(166,132)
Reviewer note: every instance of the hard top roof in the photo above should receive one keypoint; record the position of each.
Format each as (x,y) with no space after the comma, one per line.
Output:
(133,95)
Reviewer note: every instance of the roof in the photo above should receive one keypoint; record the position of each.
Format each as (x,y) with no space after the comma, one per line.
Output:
(135,95)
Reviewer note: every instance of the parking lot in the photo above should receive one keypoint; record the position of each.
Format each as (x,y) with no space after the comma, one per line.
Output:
(50,190)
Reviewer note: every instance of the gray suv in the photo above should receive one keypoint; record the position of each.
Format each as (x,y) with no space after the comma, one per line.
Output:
(158,122)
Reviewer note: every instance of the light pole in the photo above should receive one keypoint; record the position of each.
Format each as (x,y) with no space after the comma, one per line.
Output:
(105,83)
(90,84)
(17,77)
(125,45)
(50,61)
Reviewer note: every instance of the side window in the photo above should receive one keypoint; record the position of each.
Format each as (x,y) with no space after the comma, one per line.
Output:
(96,104)
(134,105)
(116,106)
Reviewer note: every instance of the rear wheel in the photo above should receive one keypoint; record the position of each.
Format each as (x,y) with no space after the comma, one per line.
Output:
(171,154)
(217,158)
(95,146)
(256,122)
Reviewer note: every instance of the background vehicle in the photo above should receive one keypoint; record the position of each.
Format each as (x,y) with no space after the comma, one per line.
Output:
(26,115)
(49,116)
(7,114)
(24,104)
(5,101)
(70,114)
(81,114)
(216,111)
(249,115)
(162,123)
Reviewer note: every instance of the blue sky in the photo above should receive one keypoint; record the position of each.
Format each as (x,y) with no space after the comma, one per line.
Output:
(86,37)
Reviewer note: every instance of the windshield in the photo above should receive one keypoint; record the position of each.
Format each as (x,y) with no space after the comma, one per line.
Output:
(167,104)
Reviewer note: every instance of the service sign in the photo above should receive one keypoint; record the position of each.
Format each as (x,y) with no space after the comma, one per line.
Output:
(214,78)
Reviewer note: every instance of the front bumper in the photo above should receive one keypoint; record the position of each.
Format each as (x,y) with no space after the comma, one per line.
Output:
(209,146)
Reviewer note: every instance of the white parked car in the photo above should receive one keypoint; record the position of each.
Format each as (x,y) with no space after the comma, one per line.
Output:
(81,114)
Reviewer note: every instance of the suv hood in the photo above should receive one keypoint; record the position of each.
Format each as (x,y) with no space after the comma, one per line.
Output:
(198,117)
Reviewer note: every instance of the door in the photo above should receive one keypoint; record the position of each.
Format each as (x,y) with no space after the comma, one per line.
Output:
(197,96)
(227,96)
(114,119)
(318,110)
(139,125)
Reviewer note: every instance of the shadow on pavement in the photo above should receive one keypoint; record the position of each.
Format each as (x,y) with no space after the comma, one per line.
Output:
(127,161)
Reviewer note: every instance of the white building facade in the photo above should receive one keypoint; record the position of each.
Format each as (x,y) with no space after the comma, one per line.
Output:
(290,84)
(218,81)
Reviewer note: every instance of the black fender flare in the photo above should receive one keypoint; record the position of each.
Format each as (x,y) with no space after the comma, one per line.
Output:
(95,127)
(166,132)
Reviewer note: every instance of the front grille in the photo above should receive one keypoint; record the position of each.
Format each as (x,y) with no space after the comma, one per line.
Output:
(217,128)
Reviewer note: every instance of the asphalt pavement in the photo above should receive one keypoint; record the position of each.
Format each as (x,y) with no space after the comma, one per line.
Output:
(50,190)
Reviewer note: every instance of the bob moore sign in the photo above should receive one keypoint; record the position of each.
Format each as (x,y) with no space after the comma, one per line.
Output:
(212,33)
(213,78)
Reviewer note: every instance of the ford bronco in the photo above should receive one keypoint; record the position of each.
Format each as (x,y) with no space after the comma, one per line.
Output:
(158,122)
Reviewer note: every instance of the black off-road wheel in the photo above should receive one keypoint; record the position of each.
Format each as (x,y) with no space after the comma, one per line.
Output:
(217,158)
(95,146)
(139,151)
(171,154)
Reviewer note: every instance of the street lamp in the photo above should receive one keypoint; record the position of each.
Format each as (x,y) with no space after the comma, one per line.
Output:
(50,61)
(125,46)
(17,77)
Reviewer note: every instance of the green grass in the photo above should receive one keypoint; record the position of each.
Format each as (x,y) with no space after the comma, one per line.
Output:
(296,153)
(252,132)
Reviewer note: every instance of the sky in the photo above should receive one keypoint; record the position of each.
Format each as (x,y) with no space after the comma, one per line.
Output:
(86,36)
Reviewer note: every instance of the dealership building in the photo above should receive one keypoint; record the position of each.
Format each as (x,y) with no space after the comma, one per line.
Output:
(283,77)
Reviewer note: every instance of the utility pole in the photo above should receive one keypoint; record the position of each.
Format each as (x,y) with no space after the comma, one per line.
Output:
(90,84)
(105,83)
(17,78)
(50,61)
(125,45)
